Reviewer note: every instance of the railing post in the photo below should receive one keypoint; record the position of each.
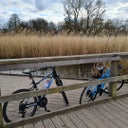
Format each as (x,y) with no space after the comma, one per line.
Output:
(1,114)
(114,72)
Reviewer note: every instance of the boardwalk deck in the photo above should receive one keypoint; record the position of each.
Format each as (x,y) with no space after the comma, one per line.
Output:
(112,114)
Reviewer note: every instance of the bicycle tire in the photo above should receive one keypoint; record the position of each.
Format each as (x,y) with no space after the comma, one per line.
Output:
(65,97)
(86,98)
(60,83)
(6,105)
(81,96)
(118,88)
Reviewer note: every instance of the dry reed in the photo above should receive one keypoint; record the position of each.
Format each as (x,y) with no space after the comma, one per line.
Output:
(21,46)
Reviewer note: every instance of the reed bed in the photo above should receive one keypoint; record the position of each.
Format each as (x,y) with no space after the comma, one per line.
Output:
(21,46)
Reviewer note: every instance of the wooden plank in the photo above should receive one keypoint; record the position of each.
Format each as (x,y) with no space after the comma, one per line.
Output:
(103,118)
(121,106)
(28,126)
(85,119)
(23,63)
(59,89)
(110,116)
(94,118)
(38,124)
(1,113)
(117,115)
(76,120)
(48,123)
(67,121)
(125,100)
(56,63)
(89,117)
(58,122)
(123,55)
(20,127)
(61,58)
(114,72)
(121,114)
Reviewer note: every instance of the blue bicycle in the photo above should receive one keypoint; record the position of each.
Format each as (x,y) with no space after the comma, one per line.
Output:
(90,93)
(27,107)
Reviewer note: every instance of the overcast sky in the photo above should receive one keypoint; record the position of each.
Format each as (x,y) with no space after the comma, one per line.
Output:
(52,10)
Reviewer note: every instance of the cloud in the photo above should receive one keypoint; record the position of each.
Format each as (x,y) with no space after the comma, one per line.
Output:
(39,4)
(52,10)
(116,9)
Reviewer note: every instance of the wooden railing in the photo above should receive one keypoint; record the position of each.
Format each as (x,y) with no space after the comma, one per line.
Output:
(9,64)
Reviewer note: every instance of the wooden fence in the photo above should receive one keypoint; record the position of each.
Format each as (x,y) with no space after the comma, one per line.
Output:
(9,64)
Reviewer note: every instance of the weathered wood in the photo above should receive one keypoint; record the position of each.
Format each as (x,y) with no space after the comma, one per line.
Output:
(28,126)
(58,122)
(60,111)
(110,117)
(103,118)
(38,124)
(1,114)
(59,89)
(60,58)
(56,63)
(11,64)
(114,72)
(87,122)
(48,123)
(121,120)
(93,118)
(67,121)
(76,120)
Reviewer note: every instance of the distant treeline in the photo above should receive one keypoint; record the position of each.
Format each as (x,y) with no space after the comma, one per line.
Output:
(82,17)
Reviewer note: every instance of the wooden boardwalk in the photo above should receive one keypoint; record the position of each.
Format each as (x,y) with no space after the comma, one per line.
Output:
(113,114)
(107,114)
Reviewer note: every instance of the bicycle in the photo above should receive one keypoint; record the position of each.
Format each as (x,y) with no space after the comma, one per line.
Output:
(90,93)
(27,107)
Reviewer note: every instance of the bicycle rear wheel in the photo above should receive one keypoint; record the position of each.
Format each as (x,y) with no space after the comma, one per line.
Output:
(118,87)
(11,109)
(87,95)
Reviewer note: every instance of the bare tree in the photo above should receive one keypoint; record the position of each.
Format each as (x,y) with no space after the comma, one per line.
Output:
(72,11)
(39,24)
(13,22)
(93,10)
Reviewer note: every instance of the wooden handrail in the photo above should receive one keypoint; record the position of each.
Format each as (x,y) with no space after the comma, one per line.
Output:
(10,64)
(12,97)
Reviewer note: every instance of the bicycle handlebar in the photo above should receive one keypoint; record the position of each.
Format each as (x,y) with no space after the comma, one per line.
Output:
(39,69)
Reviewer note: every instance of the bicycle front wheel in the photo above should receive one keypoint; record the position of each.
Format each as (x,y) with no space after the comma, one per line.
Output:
(11,110)
(60,83)
(65,97)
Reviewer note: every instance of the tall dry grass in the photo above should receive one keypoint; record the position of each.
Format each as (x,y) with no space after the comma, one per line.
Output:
(21,46)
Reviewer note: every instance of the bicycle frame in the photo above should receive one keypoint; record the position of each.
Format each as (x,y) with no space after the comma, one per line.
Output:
(98,88)
(52,75)
(43,78)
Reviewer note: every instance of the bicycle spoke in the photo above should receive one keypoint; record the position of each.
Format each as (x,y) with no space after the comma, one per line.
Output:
(14,110)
